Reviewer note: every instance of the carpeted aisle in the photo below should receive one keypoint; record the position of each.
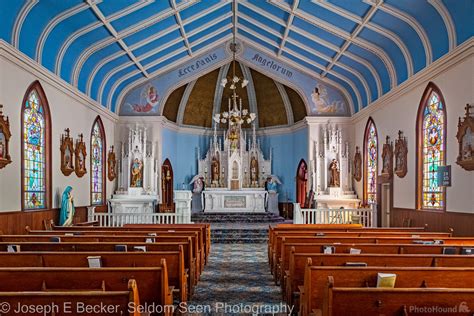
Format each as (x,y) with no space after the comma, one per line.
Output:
(237,281)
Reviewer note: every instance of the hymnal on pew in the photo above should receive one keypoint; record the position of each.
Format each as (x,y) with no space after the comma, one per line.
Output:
(95,261)
(55,239)
(329,250)
(121,248)
(386,280)
(449,250)
(467,251)
(13,248)
(355,264)
(150,240)
(355,251)
(140,248)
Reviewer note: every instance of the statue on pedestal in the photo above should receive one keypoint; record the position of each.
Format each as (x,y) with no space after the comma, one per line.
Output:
(254,171)
(215,171)
(334,169)
(137,174)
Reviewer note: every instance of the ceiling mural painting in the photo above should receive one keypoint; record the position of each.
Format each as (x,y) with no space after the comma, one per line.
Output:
(321,99)
(136,101)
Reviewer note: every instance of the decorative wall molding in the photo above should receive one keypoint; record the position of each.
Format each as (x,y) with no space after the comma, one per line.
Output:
(21,60)
(451,59)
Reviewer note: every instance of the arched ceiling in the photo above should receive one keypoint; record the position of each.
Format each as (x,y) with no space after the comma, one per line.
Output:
(367,47)
(274,103)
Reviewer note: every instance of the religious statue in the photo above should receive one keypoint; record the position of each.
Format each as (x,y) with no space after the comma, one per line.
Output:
(465,136)
(254,170)
(234,138)
(67,211)
(198,185)
(271,185)
(215,170)
(137,173)
(357,165)
(2,146)
(334,169)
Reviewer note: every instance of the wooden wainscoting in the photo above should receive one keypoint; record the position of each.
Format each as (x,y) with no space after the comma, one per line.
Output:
(14,222)
(462,223)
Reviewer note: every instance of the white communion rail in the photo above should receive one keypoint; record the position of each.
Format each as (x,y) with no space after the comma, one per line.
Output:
(367,217)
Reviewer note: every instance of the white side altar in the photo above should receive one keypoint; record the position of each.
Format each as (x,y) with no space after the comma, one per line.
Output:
(138,173)
(331,171)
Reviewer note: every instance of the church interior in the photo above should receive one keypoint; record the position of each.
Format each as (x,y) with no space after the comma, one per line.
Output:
(237,157)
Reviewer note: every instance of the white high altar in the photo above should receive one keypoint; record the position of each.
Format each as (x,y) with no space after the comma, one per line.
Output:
(330,171)
(137,175)
(234,170)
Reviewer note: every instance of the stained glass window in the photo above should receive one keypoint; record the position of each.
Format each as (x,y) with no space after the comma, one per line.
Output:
(371,147)
(433,152)
(97,164)
(34,143)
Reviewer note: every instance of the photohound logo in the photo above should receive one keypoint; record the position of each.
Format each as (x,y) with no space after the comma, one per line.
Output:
(463,308)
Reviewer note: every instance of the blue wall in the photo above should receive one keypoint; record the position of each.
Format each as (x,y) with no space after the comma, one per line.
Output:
(181,150)
(288,150)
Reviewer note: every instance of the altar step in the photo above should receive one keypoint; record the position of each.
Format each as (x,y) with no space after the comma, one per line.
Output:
(236,218)
(239,236)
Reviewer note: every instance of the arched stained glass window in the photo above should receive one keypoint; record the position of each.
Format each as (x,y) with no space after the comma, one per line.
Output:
(97,163)
(370,161)
(35,146)
(431,149)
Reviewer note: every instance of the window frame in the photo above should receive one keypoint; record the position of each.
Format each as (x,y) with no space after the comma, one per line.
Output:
(98,121)
(370,122)
(429,90)
(36,86)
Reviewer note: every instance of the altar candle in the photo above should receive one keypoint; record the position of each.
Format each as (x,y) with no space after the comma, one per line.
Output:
(229,105)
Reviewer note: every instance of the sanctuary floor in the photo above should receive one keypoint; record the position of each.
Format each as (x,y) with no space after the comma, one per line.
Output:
(237,281)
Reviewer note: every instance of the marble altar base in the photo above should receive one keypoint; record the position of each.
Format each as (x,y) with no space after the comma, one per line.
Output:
(233,201)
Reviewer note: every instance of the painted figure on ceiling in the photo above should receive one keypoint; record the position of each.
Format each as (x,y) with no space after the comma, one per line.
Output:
(322,103)
(150,95)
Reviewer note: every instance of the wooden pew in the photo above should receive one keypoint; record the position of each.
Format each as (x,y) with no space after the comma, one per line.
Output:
(340,300)
(114,238)
(152,283)
(280,240)
(189,261)
(73,302)
(294,276)
(203,228)
(281,262)
(177,275)
(315,280)
(274,234)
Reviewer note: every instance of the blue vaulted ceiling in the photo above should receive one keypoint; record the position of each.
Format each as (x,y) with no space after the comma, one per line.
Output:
(366,47)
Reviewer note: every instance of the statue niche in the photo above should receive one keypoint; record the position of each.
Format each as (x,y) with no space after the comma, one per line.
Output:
(401,151)
(136,170)
(357,165)
(254,171)
(465,136)
(334,169)
(81,154)
(67,151)
(215,168)
(5,135)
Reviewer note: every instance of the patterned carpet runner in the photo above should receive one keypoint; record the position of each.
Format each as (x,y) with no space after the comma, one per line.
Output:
(237,281)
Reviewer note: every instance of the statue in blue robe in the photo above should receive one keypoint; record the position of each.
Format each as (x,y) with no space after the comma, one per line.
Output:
(67,208)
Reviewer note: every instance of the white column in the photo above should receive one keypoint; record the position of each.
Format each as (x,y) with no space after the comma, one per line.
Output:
(182,200)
